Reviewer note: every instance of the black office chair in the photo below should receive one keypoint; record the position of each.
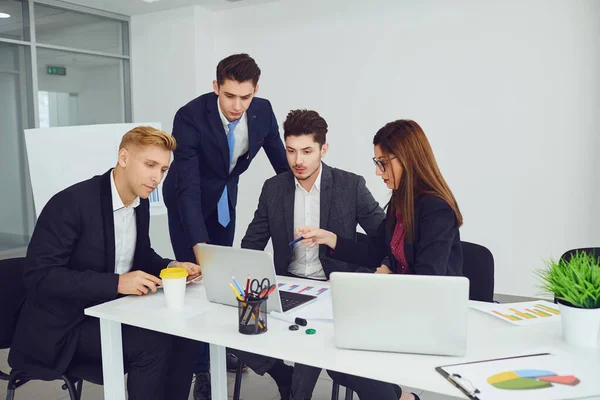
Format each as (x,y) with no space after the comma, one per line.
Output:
(478,266)
(12,295)
(592,250)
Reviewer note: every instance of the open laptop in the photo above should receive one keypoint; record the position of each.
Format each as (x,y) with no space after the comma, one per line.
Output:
(220,263)
(400,313)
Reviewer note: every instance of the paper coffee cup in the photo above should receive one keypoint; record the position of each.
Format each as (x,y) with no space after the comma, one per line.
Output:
(174,280)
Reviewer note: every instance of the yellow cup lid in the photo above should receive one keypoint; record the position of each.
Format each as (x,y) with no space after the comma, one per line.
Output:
(173,273)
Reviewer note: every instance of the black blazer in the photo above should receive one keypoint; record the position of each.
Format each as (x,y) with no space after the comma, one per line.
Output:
(345,202)
(70,265)
(200,168)
(436,249)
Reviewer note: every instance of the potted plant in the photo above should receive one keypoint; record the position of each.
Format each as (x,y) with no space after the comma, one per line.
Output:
(575,284)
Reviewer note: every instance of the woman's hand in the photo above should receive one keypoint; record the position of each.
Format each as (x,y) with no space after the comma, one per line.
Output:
(383,270)
(314,236)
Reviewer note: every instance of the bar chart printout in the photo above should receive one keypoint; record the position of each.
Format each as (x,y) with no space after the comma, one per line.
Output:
(526,313)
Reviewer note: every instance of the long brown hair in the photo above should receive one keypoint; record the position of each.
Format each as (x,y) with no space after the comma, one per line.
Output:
(405,140)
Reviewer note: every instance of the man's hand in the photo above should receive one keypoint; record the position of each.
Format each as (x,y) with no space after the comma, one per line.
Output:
(194,270)
(383,270)
(137,282)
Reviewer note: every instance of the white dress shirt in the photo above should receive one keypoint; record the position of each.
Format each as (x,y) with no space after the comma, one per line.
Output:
(307,212)
(125,229)
(240,145)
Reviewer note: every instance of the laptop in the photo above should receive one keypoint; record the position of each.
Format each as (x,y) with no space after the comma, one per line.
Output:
(400,313)
(220,263)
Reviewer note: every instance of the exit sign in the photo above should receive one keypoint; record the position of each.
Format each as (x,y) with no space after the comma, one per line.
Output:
(57,70)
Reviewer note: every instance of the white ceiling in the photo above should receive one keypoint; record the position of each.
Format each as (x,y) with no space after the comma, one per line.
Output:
(133,7)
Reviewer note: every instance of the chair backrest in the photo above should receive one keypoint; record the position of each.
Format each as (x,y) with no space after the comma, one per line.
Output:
(592,250)
(12,294)
(478,266)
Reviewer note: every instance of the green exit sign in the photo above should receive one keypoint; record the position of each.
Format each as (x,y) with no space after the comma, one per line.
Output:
(57,70)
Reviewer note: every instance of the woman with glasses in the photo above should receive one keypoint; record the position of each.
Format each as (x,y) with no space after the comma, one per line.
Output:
(419,236)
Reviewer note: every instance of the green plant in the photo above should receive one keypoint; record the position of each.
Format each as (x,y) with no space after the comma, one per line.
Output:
(576,281)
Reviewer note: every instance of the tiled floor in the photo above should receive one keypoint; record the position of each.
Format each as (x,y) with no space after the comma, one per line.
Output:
(254,387)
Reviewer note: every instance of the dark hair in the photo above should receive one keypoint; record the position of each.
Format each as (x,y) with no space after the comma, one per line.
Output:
(239,68)
(305,122)
(405,140)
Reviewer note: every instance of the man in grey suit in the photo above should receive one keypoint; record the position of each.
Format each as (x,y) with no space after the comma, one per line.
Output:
(311,194)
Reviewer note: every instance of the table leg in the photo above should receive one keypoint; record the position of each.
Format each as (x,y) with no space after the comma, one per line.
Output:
(218,372)
(112,360)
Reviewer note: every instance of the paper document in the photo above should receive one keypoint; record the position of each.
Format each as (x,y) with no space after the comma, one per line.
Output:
(526,313)
(315,289)
(529,377)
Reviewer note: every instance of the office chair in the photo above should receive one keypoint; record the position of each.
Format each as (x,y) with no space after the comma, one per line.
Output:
(592,250)
(478,266)
(12,295)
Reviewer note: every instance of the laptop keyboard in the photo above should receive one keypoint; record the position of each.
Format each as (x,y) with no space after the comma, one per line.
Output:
(291,300)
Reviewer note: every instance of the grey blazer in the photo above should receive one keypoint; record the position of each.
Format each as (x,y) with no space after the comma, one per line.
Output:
(345,202)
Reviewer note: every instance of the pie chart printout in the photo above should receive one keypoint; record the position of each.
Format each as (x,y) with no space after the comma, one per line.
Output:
(528,379)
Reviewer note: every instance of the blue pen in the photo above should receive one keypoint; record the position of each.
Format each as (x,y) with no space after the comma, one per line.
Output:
(237,285)
(293,242)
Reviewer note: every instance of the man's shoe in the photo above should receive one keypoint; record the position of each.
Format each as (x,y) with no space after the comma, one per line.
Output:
(232,362)
(202,386)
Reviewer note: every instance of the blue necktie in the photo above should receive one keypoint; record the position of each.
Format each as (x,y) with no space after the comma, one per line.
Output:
(223,204)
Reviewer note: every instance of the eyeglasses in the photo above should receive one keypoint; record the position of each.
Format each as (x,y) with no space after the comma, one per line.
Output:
(381,163)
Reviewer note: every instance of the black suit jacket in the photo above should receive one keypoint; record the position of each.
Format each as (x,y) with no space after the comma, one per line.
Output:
(345,201)
(70,265)
(200,168)
(436,248)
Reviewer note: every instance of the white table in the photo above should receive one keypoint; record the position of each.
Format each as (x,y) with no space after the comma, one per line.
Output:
(217,324)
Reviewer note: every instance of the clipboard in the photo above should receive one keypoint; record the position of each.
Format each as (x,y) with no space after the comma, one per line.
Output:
(464,385)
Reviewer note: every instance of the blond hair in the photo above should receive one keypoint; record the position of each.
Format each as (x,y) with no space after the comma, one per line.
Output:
(148,136)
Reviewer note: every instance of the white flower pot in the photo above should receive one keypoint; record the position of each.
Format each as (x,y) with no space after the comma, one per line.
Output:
(580,326)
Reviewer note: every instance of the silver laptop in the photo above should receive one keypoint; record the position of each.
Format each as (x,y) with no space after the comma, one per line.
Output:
(400,313)
(220,264)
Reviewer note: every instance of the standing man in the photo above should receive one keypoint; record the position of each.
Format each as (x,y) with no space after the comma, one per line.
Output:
(218,135)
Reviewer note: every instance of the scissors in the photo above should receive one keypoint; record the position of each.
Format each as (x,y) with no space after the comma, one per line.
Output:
(257,288)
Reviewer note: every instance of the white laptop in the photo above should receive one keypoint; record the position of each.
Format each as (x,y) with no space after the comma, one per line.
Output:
(400,313)
(220,264)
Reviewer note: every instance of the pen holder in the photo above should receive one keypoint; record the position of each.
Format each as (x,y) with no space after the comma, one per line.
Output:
(252,316)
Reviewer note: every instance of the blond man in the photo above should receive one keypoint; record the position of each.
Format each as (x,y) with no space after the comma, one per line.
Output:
(89,246)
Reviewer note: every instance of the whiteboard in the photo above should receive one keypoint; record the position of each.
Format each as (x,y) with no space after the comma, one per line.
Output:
(62,156)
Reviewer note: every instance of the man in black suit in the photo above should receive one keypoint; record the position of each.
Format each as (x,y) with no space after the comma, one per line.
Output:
(89,246)
(218,135)
(311,194)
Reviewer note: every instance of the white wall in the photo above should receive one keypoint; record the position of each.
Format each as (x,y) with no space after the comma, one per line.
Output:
(507,92)
(164,78)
